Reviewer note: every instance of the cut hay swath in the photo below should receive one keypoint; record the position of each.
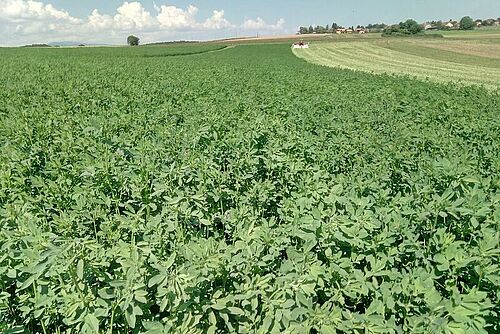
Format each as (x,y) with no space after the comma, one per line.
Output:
(370,57)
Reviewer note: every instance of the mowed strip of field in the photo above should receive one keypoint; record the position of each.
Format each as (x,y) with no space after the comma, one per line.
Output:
(450,51)
(489,32)
(377,58)
(466,47)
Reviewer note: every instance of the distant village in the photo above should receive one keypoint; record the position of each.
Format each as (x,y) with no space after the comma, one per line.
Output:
(455,25)
(379,27)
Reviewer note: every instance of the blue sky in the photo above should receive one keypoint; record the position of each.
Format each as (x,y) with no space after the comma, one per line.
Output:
(24,21)
(300,12)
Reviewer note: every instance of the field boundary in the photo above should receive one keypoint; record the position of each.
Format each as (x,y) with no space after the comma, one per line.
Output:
(180,54)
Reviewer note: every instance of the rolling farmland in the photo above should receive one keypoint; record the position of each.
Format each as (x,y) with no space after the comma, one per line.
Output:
(441,61)
(180,190)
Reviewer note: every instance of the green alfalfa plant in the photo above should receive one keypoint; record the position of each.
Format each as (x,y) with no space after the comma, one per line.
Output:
(364,202)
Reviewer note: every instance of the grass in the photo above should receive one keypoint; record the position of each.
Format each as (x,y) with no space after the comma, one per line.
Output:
(486,32)
(427,50)
(294,38)
(406,57)
(490,33)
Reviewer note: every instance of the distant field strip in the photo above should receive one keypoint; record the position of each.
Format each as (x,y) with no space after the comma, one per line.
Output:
(490,33)
(473,49)
(434,51)
(158,51)
(369,57)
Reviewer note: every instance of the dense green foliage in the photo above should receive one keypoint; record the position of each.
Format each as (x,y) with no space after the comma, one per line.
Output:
(319,29)
(412,26)
(242,191)
(467,23)
(408,27)
(133,40)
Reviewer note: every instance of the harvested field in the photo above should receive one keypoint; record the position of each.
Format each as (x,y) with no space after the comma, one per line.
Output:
(373,57)
(468,48)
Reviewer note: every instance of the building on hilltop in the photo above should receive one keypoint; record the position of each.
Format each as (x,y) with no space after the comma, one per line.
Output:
(451,25)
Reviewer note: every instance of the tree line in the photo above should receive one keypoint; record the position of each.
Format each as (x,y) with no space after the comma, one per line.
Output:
(408,27)
(412,27)
(319,29)
(334,26)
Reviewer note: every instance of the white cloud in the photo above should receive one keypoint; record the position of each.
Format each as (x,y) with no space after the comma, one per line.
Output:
(20,19)
(99,21)
(260,24)
(217,21)
(22,11)
(132,15)
(26,21)
(129,16)
(171,17)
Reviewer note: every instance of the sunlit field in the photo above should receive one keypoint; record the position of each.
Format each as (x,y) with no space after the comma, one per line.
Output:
(470,61)
(213,189)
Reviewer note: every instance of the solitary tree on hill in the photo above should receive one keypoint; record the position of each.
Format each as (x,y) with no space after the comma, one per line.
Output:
(133,40)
